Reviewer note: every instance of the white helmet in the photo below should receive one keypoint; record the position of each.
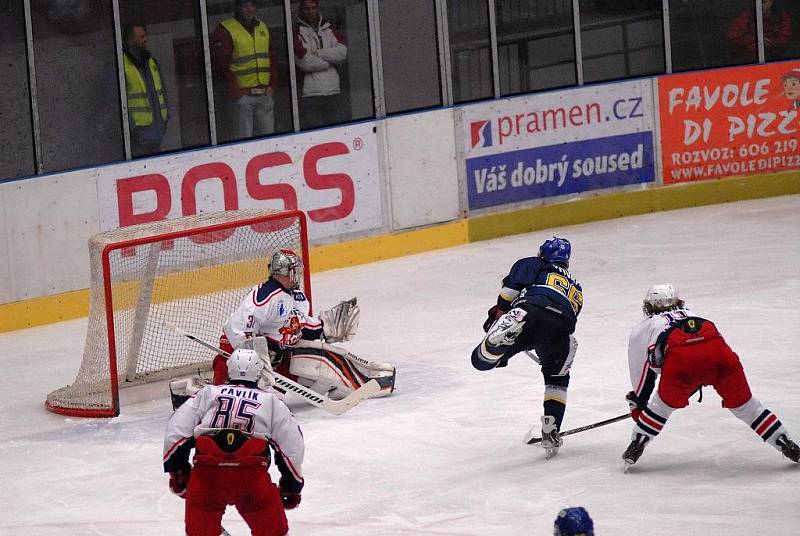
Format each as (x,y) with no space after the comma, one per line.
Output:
(245,365)
(285,262)
(659,298)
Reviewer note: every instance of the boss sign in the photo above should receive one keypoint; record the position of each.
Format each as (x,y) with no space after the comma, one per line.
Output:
(333,178)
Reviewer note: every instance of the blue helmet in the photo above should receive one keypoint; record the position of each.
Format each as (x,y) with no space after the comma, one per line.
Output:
(556,250)
(573,521)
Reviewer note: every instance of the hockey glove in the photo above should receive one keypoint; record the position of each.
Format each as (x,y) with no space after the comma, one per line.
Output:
(340,322)
(492,314)
(633,405)
(179,480)
(289,499)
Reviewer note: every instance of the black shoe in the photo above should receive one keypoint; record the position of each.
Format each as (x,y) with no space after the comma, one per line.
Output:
(635,449)
(789,448)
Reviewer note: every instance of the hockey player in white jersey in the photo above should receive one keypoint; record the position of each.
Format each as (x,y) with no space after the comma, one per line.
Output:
(232,427)
(299,343)
(688,352)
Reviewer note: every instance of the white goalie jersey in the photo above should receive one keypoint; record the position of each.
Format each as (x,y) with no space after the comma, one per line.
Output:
(274,312)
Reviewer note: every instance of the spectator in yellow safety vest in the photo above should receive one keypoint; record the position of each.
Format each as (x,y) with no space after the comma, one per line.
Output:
(146,94)
(242,52)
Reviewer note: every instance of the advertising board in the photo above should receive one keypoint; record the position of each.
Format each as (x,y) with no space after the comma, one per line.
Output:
(562,142)
(730,122)
(332,175)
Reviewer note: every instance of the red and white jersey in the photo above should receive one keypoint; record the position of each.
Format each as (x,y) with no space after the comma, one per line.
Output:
(271,311)
(259,413)
(643,340)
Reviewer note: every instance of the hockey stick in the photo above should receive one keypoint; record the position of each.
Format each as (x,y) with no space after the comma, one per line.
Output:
(337,407)
(530,439)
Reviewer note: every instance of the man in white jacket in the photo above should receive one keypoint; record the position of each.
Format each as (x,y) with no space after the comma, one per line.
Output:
(318,48)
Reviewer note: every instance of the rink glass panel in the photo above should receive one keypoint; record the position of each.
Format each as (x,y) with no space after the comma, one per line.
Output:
(410,65)
(535,45)
(621,39)
(16,137)
(77,84)
(470,50)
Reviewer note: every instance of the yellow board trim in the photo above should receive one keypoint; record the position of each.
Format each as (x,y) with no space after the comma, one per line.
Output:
(74,304)
(632,203)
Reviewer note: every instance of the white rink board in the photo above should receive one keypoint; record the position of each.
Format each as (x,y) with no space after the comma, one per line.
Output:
(422,169)
(47,224)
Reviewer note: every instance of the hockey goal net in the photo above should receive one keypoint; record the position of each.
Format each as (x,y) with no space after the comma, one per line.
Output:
(191,272)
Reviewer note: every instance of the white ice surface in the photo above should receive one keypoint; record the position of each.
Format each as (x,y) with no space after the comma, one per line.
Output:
(444,454)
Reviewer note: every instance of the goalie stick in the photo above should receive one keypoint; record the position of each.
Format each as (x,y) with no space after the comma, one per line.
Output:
(336,407)
(531,439)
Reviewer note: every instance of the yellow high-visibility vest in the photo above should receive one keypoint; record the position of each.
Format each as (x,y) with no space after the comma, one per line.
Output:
(250,62)
(139,108)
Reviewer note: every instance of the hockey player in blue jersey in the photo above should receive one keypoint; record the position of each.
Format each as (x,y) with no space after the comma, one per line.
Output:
(536,310)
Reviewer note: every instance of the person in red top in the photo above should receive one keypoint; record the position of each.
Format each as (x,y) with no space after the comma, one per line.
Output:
(777,32)
(242,53)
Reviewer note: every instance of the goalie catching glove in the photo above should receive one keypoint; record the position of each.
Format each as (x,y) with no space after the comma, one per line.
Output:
(340,322)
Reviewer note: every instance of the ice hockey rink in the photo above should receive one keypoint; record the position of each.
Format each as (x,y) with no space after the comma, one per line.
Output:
(444,455)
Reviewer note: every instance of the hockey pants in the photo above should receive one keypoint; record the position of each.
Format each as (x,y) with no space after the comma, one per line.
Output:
(688,368)
(249,489)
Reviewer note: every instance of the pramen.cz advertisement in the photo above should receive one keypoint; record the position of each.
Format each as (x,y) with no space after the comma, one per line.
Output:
(558,143)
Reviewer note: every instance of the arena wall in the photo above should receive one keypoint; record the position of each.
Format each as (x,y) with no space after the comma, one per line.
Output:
(418,182)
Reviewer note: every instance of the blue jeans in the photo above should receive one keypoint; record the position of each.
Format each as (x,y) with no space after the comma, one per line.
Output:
(255,116)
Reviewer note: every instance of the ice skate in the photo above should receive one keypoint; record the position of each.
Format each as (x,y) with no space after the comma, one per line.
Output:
(789,448)
(505,331)
(551,440)
(634,451)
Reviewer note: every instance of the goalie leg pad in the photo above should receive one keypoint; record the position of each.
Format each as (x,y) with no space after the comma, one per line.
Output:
(326,373)
(182,390)
(383,373)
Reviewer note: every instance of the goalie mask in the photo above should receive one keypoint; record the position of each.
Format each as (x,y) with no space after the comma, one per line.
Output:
(244,366)
(659,298)
(285,262)
(556,250)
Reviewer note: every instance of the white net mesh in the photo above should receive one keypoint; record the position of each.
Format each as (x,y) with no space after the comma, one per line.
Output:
(191,272)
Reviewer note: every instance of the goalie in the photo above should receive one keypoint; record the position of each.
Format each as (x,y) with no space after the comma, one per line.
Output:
(298,342)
